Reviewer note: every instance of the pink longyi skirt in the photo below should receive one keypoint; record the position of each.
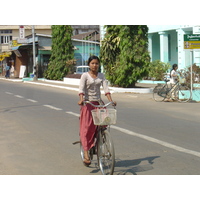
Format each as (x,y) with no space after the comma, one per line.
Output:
(87,127)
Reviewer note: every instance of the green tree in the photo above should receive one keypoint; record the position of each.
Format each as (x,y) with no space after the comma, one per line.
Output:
(62,52)
(124,54)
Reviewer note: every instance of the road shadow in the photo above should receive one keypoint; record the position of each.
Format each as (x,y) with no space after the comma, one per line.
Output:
(123,167)
(130,167)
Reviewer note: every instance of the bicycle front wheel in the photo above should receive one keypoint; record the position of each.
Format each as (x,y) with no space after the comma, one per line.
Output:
(159,93)
(105,153)
(183,93)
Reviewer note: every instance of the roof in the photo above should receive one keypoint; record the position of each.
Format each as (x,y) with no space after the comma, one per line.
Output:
(92,36)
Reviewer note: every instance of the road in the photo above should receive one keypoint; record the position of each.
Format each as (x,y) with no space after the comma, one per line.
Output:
(40,123)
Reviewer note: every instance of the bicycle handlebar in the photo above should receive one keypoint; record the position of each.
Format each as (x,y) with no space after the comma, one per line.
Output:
(100,106)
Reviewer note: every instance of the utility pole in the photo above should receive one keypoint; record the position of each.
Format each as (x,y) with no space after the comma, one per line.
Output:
(34,62)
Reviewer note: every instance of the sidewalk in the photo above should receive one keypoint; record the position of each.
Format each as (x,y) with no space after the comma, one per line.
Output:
(140,87)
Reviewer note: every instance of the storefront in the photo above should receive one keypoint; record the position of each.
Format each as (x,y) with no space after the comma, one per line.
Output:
(24,55)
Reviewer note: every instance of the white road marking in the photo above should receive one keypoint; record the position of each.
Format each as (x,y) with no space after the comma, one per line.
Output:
(9,93)
(151,139)
(52,107)
(166,144)
(72,113)
(19,96)
(31,100)
(160,142)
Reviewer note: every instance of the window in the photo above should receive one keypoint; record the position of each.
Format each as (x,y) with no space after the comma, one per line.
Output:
(6,39)
(6,31)
(5,36)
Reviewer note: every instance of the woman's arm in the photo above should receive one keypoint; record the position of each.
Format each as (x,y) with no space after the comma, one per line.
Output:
(107,90)
(82,89)
(80,102)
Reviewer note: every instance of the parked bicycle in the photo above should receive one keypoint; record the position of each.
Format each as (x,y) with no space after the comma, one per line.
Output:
(178,92)
(103,117)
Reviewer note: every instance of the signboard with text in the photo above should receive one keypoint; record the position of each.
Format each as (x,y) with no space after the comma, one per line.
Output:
(21,32)
(191,41)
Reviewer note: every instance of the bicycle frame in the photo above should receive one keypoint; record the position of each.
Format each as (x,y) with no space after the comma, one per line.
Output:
(176,91)
(103,146)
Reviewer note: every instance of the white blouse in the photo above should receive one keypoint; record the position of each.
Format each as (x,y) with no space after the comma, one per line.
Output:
(174,76)
(90,87)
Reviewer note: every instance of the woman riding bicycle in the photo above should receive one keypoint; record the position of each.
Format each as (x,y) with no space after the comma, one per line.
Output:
(89,90)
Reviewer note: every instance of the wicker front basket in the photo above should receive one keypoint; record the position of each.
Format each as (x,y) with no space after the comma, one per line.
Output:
(104,116)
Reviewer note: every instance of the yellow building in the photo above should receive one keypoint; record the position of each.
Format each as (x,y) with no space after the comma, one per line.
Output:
(12,32)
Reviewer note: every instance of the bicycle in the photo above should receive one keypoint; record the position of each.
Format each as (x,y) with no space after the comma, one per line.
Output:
(178,92)
(103,146)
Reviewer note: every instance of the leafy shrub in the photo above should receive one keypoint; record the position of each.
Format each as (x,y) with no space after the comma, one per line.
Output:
(157,70)
(186,74)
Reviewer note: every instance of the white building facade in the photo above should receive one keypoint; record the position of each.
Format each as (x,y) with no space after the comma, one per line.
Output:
(166,43)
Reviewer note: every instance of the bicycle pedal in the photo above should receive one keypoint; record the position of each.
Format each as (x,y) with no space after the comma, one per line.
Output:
(94,150)
(77,142)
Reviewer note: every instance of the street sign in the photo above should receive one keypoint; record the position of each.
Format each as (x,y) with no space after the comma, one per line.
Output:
(191,41)
(21,32)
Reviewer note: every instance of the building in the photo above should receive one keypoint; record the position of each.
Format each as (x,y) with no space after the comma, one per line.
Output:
(80,29)
(86,44)
(13,32)
(17,43)
(23,54)
(166,43)
(13,36)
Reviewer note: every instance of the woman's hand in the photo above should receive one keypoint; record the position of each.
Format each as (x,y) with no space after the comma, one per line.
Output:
(80,103)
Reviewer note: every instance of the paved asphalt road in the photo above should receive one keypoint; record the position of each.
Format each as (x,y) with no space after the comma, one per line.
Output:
(40,123)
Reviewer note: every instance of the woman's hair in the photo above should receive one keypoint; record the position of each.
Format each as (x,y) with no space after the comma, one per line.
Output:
(174,65)
(173,68)
(93,58)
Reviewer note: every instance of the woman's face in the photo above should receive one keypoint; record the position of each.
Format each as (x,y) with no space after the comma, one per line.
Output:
(94,65)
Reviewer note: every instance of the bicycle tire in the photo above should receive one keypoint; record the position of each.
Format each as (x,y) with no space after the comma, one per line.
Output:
(82,152)
(105,153)
(183,93)
(160,93)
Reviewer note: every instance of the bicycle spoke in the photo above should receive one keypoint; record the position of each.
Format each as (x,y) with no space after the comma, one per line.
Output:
(106,155)
(160,93)
(183,93)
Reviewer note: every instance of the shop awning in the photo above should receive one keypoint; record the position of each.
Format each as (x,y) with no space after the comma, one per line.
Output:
(27,46)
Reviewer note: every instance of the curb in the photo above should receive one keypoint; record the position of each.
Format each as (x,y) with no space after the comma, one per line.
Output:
(75,88)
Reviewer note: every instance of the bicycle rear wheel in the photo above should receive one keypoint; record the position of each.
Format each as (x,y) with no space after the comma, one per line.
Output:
(160,93)
(105,153)
(183,93)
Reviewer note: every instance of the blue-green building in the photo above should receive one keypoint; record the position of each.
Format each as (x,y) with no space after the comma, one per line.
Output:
(166,43)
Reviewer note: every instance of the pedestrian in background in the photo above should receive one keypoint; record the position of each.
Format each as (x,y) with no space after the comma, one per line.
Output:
(12,71)
(174,74)
(173,81)
(7,71)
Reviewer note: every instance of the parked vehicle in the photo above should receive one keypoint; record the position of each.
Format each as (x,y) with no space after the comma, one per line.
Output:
(81,69)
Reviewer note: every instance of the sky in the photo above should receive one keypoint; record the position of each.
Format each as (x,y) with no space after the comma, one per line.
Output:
(89,12)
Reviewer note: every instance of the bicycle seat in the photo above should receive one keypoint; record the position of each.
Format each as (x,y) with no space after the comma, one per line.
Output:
(166,80)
